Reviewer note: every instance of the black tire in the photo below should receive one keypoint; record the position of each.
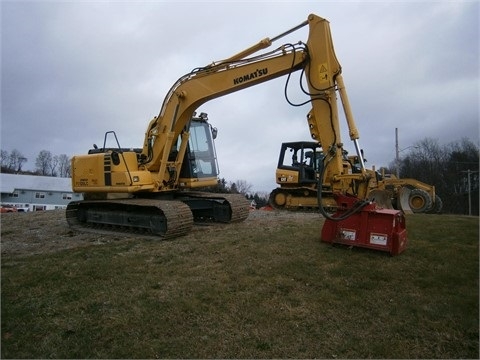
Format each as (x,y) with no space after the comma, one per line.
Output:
(420,201)
(437,206)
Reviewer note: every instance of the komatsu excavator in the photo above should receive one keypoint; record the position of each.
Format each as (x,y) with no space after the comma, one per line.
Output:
(151,189)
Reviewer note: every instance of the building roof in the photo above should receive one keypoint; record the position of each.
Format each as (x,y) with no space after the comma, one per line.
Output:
(11,182)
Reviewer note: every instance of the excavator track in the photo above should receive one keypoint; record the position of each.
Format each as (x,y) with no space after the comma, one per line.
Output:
(150,217)
(299,199)
(215,207)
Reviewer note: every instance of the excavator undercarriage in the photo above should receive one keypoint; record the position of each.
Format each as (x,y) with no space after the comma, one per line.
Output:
(167,219)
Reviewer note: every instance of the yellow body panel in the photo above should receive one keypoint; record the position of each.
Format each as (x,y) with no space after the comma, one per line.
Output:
(107,172)
(192,183)
(286,177)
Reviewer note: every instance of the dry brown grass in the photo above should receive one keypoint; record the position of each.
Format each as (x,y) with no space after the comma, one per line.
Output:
(265,288)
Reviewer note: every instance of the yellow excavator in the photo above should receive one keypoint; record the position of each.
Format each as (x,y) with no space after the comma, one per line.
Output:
(300,161)
(154,189)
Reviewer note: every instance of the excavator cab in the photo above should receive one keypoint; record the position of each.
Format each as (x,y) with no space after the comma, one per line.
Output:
(200,161)
(299,163)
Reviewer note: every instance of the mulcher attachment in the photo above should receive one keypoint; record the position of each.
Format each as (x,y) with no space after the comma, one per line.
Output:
(372,227)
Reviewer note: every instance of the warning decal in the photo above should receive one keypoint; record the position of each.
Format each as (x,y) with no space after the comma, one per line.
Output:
(378,239)
(347,234)
(323,72)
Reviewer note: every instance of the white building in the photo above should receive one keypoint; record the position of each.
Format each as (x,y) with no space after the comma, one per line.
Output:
(34,193)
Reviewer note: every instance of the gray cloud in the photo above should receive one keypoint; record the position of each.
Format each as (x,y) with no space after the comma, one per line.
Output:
(73,70)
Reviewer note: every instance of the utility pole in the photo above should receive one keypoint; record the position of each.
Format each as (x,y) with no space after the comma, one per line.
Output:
(469,190)
(397,152)
(469,195)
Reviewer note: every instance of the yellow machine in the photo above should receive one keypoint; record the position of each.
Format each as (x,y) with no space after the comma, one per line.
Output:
(150,188)
(297,175)
(411,194)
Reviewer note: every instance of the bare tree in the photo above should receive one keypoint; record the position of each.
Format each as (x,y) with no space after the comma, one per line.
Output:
(44,162)
(53,165)
(63,165)
(447,168)
(5,159)
(16,160)
(241,187)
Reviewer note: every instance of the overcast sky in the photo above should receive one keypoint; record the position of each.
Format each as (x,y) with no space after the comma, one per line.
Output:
(72,70)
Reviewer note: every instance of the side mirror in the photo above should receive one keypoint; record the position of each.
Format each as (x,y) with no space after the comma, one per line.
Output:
(214,132)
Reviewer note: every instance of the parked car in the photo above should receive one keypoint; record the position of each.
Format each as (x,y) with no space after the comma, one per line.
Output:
(7,209)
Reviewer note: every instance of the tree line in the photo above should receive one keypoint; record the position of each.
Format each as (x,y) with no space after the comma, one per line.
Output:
(46,164)
(452,169)
(260,199)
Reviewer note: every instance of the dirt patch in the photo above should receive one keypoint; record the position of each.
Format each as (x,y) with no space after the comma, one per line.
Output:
(24,234)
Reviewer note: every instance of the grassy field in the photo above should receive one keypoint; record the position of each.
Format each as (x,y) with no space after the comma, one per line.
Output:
(266,288)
